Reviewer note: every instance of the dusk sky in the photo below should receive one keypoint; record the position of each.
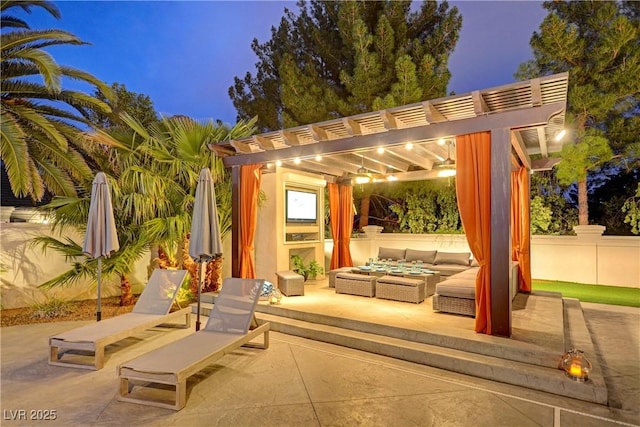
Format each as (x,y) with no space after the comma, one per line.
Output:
(184,55)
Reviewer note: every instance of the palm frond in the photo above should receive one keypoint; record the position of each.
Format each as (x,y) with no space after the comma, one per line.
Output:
(14,154)
(100,137)
(12,22)
(168,230)
(71,277)
(80,100)
(69,248)
(26,5)
(28,116)
(69,212)
(134,124)
(46,65)
(20,89)
(83,76)
(37,184)
(82,266)
(242,128)
(56,179)
(69,160)
(11,43)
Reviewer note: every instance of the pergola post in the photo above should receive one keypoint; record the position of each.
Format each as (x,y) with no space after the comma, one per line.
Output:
(500,231)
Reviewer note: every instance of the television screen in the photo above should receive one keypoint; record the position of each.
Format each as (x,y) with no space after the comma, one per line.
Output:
(302,206)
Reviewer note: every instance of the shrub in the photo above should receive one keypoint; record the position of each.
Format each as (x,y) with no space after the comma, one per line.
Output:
(51,308)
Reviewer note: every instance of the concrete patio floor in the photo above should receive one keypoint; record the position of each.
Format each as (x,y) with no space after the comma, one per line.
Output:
(309,383)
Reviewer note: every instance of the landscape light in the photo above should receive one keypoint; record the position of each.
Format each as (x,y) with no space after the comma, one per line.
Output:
(576,366)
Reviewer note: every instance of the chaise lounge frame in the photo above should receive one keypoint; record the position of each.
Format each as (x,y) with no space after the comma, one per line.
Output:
(173,364)
(150,311)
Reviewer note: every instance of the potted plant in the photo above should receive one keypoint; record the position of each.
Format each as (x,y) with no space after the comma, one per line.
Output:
(310,271)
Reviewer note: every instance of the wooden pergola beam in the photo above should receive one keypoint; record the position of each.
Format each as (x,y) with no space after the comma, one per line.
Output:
(505,120)
(518,145)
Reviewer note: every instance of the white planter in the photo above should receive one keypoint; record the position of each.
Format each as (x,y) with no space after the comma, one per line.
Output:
(26,215)
(5,213)
(589,231)
(372,230)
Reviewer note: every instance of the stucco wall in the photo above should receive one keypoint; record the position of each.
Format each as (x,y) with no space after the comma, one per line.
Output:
(603,260)
(25,267)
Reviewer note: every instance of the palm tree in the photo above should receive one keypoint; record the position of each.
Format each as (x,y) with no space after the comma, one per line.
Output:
(180,151)
(153,175)
(38,145)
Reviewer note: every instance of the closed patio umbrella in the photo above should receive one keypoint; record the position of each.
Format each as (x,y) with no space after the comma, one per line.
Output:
(101,238)
(205,243)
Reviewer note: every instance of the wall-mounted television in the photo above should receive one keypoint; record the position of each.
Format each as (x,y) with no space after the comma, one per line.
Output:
(301,206)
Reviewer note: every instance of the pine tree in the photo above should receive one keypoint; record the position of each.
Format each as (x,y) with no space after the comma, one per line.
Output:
(598,43)
(336,59)
(137,105)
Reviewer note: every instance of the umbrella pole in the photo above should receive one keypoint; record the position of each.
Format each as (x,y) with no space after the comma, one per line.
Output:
(199,285)
(99,312)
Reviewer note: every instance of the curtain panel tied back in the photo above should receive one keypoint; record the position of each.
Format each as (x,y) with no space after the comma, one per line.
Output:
(250,176)
(521,226)
(341,216)
(473,189)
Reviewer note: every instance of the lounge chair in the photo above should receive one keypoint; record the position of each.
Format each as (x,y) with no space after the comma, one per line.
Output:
(227,329)
(151,309)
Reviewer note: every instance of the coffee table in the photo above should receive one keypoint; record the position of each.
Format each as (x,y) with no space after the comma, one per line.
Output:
(430,279)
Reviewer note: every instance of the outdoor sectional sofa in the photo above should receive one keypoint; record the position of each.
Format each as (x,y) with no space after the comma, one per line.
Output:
(446,263)
(457,293)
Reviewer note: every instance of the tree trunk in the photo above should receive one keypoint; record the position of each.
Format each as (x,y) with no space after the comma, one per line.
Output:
(191,266)
(164,261)
(364,211)
(583,205)
(126,296)
(213,277)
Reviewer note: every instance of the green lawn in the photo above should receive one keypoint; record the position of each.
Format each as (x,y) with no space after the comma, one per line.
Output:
(601,294)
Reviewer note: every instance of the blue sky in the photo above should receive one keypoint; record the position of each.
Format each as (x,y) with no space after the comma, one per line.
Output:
(185,54)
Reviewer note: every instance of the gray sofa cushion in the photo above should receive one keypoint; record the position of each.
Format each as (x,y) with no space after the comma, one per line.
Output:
(457,288)
(393,253)
(424,256)
(461,285)
(458,258)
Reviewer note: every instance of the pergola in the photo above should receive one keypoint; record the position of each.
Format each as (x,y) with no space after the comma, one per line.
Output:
(405,143)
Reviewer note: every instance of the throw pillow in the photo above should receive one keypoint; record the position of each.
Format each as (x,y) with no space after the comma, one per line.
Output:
(393,253)
(458,258)
(424,256)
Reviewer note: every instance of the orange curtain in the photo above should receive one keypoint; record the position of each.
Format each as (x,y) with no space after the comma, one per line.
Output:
(249,187)
(473,189)
(520,227)
(334,216)
(346,225)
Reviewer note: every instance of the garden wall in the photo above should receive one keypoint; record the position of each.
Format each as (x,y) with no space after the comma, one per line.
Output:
(601,260)
(23,267)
